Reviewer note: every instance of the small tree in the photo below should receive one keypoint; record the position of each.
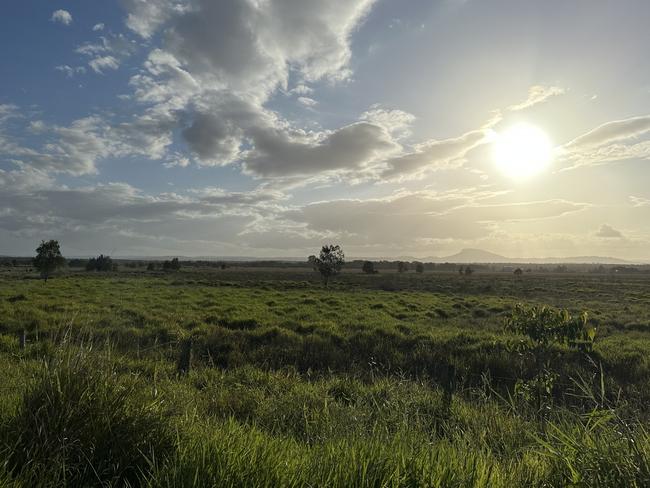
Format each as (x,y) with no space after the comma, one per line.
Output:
(368,267)
(48,258)
(173,265)
(402,266)
(151,266)
(101,263)
(419,267)
(329,262)
(518,272)
(468,271)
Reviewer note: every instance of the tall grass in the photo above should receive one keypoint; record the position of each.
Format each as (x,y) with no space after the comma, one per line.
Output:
(82,425)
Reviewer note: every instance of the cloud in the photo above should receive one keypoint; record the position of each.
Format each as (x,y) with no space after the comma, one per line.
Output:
(278,152)
(433,155)
(108,52)
(98,27)
(608,232)
(407,217)
(103,63)
(307,102)
(62,16)
(70,71)
(613,141)
(537,94)
(617,130)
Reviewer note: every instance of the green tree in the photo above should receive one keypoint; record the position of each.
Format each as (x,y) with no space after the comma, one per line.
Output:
(329,262)
(368,267)
(48,258)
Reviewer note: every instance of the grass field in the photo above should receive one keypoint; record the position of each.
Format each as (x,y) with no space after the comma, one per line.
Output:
(263,377)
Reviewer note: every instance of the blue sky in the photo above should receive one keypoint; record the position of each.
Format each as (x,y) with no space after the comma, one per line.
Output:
(268,128)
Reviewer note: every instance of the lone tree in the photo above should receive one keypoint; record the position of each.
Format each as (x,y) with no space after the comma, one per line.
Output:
(402,266)
(419,267)
(368,267)
(329,262)
(48,258)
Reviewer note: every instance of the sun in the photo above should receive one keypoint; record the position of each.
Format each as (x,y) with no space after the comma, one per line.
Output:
(522,151)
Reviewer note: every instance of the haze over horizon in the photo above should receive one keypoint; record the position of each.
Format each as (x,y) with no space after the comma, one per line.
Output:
(268,128)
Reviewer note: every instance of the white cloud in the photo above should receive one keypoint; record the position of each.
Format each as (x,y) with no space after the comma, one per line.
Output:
(433,155)
(98,27)
(617,130)
(307,102)
(62,16)
(70,71)
(613,141)
(537,94)
(103,63)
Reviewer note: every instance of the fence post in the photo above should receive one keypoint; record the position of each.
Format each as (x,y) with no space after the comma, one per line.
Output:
(184,358)
(23,339)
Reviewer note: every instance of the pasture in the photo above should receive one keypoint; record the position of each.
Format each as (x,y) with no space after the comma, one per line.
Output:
(264,377)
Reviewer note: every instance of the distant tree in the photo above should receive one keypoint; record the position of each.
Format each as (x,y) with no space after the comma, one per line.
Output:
(402,266)
(468,271)
(518,272)
(419,267)
(368,267)
(223,266)
(311,260)
(101,263)
(151,266)
(173,265)
(48,258)
(329,262)
(461,270)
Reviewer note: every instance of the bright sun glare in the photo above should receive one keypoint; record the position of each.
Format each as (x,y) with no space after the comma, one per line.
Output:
(522,151)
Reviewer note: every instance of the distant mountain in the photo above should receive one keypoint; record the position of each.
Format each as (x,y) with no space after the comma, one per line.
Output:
(480,256)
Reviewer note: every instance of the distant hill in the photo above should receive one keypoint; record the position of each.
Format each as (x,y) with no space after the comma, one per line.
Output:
(481,256)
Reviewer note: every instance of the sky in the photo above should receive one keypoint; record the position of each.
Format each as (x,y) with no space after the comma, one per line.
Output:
(271,127)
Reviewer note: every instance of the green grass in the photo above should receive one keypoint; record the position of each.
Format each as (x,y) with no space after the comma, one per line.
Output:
(400,380)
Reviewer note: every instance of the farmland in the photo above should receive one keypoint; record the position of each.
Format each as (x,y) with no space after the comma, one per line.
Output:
(264,377)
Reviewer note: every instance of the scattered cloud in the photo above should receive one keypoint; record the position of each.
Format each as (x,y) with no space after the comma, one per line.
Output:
(98,27)
(615,131)
(70,71)
(307,102)
(613,141)
(608,232)
(537,94)
(61,16)
(103,63)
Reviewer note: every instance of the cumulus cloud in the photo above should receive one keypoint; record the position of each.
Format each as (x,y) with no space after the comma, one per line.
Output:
(537,94)
(277,152)
(61,16)
(608,232)
(98,27)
